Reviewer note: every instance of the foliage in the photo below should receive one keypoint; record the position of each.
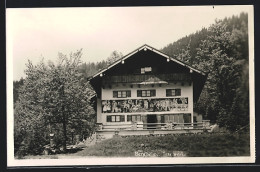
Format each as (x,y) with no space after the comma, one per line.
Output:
(89,69)
(220,56)
(114,57)
(16,86)
(53,99)
(56,98)
(51,90)
(92,68)
(188,43)
(222,51)
(194,145)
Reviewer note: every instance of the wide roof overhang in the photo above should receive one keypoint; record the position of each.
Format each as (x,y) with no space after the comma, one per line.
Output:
(199,77)
(145,47)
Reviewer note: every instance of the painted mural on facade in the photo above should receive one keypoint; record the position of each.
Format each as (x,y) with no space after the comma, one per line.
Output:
(145,105)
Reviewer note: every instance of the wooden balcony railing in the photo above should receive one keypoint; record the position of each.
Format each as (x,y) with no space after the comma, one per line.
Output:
(155,126)
(138,79)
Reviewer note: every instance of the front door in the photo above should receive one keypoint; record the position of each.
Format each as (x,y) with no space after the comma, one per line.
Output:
(150,120)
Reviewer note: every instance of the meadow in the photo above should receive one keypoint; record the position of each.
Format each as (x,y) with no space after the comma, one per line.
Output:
(190,145)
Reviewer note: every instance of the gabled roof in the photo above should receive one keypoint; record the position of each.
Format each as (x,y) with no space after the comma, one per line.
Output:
(145,47)
(198,77)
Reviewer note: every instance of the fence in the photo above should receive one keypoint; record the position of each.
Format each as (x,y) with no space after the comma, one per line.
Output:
(205,124)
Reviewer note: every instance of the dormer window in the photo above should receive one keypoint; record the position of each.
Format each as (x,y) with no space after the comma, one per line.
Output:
(146,70)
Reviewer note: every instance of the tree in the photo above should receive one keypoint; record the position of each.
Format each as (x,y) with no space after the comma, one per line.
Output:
(16,86)
(92,68)
(114,57)
(54,98)
(220,56)
(221,50)
(185,55)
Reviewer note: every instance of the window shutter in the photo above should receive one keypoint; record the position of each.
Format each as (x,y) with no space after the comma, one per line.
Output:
(178,92)
(109,119)
(133,118)
(128,93)
(166,118)
(162,119)
(171,118)
(139,93)
(114,94)
(122,118)
(153,93)
(129,117)
(168,92)
(187,118)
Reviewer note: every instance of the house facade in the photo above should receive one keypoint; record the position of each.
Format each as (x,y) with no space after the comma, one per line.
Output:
(146,91)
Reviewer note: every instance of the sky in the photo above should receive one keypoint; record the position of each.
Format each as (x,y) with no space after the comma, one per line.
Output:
(36,33)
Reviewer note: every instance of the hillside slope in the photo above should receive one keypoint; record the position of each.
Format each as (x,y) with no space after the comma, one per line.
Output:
(200,145)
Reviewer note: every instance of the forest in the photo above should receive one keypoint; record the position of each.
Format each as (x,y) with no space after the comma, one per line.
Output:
(220,50)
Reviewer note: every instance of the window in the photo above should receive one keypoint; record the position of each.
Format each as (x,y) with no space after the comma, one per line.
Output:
(173,92)
(146,93)
(134,118)
(146,70)
(116,118)
(171,118)
(113,118)
(142,70)
(121,94)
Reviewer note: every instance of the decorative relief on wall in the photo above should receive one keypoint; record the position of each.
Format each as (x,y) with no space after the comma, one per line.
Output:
(145,105)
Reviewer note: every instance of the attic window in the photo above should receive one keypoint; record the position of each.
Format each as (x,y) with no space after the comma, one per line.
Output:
(146,70)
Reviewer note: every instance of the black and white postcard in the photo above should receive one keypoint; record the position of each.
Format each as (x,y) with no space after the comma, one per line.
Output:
(130,85)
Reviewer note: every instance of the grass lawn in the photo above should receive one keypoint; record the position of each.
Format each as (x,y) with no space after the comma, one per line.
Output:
(191,145)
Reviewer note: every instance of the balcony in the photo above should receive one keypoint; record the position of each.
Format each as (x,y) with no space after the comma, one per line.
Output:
(147,79)
(204,125)
(138,128)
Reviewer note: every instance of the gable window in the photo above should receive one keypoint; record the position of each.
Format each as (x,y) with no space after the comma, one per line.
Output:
(146,70)
(173,92)
(146,93)
(115,118)
(121,94)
